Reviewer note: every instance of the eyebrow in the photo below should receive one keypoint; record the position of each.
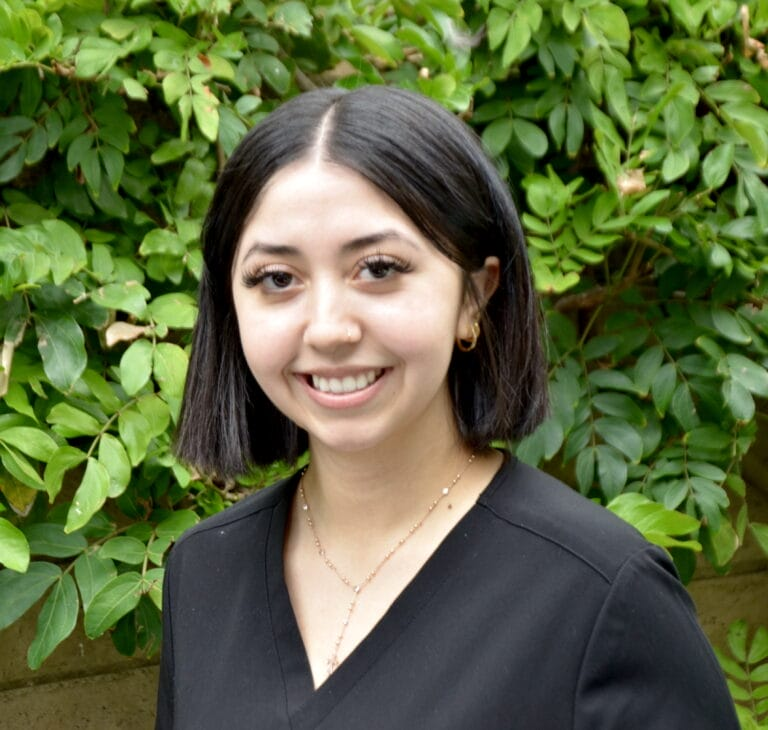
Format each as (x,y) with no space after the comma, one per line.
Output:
(356,244)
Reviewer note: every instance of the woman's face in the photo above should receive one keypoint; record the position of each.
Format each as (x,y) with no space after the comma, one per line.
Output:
(347,315)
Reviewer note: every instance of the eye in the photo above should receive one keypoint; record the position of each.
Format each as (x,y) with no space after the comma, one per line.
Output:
(270,278)
(382,267)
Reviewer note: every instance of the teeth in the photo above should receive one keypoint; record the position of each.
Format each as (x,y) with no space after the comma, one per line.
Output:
(347,384)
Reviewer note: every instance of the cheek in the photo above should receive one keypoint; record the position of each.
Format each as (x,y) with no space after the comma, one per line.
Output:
(419,328)
(263,340)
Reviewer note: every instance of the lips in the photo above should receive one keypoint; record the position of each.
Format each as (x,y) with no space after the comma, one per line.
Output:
(345,384)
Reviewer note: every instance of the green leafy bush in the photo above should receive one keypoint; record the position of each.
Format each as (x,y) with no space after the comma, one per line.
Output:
(746,670)
(634,133)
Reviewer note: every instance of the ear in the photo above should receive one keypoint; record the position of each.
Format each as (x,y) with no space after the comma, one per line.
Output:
(486,281)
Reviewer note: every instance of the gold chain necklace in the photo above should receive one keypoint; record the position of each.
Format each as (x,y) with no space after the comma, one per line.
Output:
(357,588)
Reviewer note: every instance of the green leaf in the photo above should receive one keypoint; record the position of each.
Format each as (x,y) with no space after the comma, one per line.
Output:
(739,400)
(531,137)
(56,621)
(611,470)
(749,374)
(683,408)
(518,38)
(613,379)
(205,109)
(646,369)
(172,527)
(600,346)
(663,387)
(14,548)
(675,165)
(62,348)
(91,169)
(498,27)
(134,433)
(30,441)
(155,410)
(153,586)
(609,22)
(737,640)
(171,150)
(113,457)
(717,165)
(92,573)
(497,135)
(273,70)
(70,421)
(378,42)
(759,647)
(619,405)
(13,164)
(543,443)
(47,538)
(118,597)
(622,436)
(20,468)
(124,550)
(176,311)
(89,497)
(170,368)
(156,549)
(127,296)
(721,541)
(135,90)
(96,56)
(103,391)
(175,86)
(294,17)
(114,164)
(657,523)
(20,591)
(119,28)
(727,324)
(17,399)
(136,366)
(585,470)
(162,241)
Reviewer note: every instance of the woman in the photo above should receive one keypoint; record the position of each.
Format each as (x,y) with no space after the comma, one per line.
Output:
(367,297)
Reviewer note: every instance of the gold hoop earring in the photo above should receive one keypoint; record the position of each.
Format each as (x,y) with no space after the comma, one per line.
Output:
(470,344)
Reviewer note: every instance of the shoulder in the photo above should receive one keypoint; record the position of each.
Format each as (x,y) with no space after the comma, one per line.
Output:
(242,514)
(552,513)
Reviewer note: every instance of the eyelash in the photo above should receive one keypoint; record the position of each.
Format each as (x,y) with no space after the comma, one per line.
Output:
(393,263)
(257,278)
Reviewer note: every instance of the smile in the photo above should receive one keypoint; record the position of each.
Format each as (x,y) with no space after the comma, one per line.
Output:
(347,384)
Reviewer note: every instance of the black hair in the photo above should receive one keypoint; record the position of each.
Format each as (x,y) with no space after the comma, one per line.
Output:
(433,166)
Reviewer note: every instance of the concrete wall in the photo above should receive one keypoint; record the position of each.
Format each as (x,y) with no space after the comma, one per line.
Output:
(87,685)
(84,685)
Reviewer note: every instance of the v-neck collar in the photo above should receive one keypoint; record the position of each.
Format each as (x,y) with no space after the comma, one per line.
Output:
(306,706)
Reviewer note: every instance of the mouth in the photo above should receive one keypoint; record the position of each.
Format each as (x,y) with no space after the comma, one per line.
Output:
(345,384)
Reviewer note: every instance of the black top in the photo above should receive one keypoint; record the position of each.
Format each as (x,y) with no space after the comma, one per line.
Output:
(539,611)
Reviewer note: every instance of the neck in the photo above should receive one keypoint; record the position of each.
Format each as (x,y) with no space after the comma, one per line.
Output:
(369,499)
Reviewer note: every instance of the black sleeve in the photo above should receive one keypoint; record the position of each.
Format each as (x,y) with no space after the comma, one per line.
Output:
(164,719)
(648,665)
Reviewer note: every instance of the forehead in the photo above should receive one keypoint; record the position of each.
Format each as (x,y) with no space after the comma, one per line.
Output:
(322,200)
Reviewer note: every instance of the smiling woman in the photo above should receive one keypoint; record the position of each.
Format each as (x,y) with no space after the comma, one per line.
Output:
(367,296)
(335,293)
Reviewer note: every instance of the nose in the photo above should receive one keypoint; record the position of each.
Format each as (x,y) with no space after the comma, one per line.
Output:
(330,323)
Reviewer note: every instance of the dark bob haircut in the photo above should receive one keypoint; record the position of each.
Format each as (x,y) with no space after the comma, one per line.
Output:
(430,164)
